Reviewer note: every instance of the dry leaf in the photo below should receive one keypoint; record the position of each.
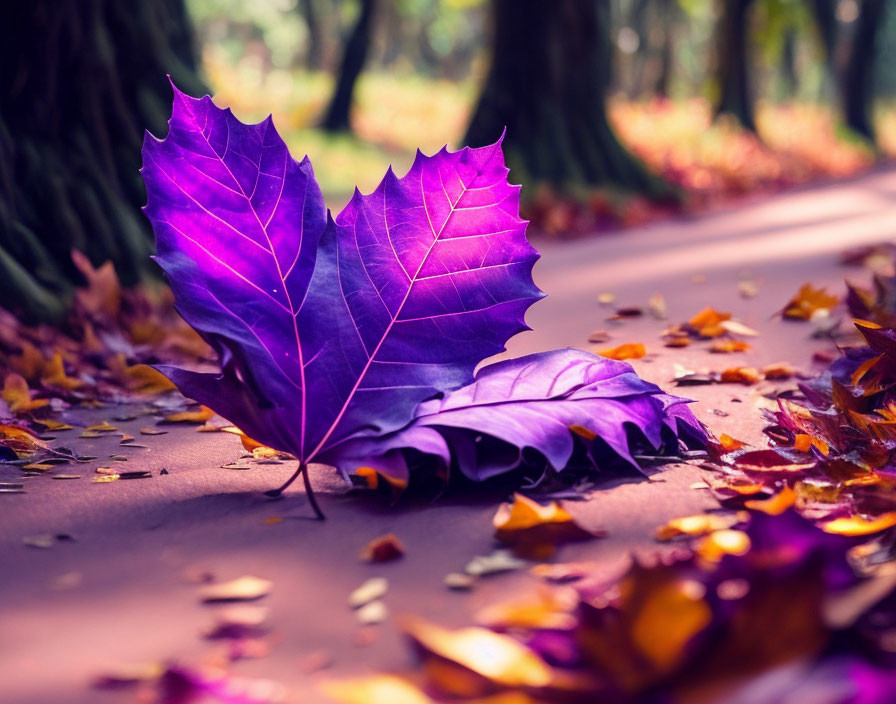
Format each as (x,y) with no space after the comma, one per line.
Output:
(533,530)
(708,322)
(728,346)
(657,306)
(807,301)
(776,505)
(699,524)
(18,396)
(741,375)
(375,689)
(779,370)
(497,659)
(199,416)
(373,589)
(631,350)
(383,549)
(857,525)
(246,588)
(737,328)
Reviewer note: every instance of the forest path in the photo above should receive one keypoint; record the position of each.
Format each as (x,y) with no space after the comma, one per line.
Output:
(119,594)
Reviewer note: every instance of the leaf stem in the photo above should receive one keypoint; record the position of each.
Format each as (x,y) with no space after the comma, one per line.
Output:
(303,470)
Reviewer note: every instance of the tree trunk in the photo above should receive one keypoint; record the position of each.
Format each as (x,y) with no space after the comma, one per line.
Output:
(667,51)
(82,80)
(732,63)
(336,118)
(547,85)
(789,77)
(314,56)
(824,12)
(858,75)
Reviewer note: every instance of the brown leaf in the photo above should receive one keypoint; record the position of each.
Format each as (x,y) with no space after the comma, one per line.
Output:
(534,530)
(807,301)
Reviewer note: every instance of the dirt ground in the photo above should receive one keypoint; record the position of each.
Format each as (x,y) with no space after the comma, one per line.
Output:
(124,590)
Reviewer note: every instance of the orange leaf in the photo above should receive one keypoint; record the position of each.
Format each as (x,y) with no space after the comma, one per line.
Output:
(808,300)
(631,350)
(776,505)
(18,396)
(727,346)
(856,525)
(741,375)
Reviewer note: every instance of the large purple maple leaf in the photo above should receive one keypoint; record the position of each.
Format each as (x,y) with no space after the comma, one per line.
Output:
(331,329)
(532,403)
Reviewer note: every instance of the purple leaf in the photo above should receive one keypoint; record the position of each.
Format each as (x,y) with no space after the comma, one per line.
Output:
(530,402)
(331,329)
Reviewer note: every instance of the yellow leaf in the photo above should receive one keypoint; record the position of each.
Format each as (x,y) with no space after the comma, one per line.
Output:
(54,374)
(723,542)
(498,658)
(808,300)
(375,689)
(672,616)
(699,524)
(18,396)
(776,505)
(856,525)
(203,414)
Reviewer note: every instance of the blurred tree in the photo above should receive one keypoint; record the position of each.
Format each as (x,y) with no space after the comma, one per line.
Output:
(547,84)
(337,116)
(858,73)
(315,53)
(81,81)
(667,16)
(732,66)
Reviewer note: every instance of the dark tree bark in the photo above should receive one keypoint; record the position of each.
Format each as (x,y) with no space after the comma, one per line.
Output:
(81,81)
(667,50)
(337,116)
(732,63)
(788,62)
(858,74)
(314,56)
(547,85)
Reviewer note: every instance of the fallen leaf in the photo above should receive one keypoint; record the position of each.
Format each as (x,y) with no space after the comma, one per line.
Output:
(857,525)
(534,530)
(699,524)
(741,375)
(497,659)
(606,298)
(199,416)
(657,306)
(708,322)
(807,301)
(54,375)
(372,613)
(459,580)
(246,588)
(383,549)
(494,563)
(728,346)
(148,430)
(631,350)
(737,328)
(779,370)
(598,336)
(373,589)
(776,505)
(17,394)
(375,689)
(719,543)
